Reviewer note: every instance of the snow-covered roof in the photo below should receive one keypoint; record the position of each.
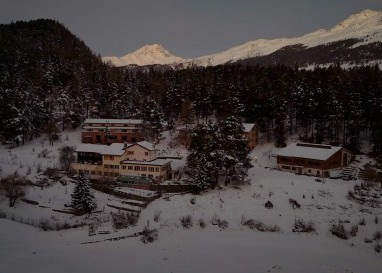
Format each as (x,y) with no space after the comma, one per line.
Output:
(248,127)
(115,121)
(146,145)
(115,149)
(112,149)
(91,148)
(155,162)
(309,150)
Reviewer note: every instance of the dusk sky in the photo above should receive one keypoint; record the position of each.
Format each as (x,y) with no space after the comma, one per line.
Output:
(189,28)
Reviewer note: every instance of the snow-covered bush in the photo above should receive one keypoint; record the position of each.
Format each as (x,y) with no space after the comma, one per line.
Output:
(260,226)
(362,222)
(202,223)
(378,248)
(157,214)
(339,231)
(44,153)
(222,224)
(294,203)
(301,226)
(377,236)
(149,235)
(354,230)
(186,221)
(123,220)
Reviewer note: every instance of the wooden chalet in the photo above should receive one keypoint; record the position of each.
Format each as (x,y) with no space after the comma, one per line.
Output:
(313,159)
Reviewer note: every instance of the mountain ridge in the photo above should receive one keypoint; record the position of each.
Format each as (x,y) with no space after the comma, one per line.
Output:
(365,27)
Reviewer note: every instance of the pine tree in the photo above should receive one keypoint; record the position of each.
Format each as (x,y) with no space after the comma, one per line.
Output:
(82,198)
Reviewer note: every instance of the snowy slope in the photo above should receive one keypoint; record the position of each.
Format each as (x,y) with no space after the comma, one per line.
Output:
(366,26)
(146,55)
(211,249)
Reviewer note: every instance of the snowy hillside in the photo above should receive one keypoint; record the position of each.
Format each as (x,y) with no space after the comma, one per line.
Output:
(365,26)
(147,55)
(227,242)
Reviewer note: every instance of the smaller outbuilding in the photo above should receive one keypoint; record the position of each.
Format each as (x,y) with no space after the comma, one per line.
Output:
(313,159)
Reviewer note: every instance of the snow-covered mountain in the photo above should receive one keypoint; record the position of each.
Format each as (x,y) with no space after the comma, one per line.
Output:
(362,29)
(365,27)
(146,55)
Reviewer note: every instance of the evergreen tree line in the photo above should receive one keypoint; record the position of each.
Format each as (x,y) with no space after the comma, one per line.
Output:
(324,104)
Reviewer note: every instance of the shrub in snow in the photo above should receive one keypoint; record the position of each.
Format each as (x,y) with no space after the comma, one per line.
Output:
(268,205)
(362,222)
(44,153)
(294,203)
(339,231)
(157,215)
(202,224)
(301,226)
(376,220)
(378,248)
(149,235)
(186,221)
(368,240)
(123,220)
(377,235)
(260,226)
(29,170)
(222,224)
(193,200)
(46,224)
(354,230)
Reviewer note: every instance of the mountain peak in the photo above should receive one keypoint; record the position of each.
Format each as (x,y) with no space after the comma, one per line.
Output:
(364,18)
(146,55)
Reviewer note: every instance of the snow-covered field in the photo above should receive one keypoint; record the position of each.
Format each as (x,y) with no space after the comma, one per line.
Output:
(234,248)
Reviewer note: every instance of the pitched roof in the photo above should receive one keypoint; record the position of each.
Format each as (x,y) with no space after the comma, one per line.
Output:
(91,148)
(112,149)
(115,149)
(146,145)
(309,150)
(248,127)
(115,121)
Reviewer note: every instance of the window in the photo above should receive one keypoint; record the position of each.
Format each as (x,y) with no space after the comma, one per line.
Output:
(106,166)
(124,138)
(130,152)
(123,167)
(129,167)
(151,169)
(144,169)
(137,168)
(157,169)
(146,153)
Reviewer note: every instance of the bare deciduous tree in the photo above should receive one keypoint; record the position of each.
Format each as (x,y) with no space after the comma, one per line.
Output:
(13,187)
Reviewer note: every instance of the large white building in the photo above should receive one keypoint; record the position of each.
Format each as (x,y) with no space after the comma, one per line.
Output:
(122,159)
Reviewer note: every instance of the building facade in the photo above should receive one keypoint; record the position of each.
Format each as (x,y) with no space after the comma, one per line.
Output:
(106,131)
(251,134)
(313,159)
(122,159)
